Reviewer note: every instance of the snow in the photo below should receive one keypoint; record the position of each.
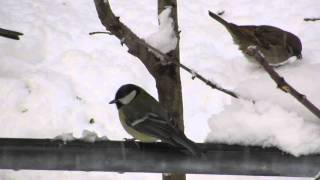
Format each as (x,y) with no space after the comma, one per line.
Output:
(57,77)
(165,39)
(87,136)
(90,136)
(65,137)
(276,118)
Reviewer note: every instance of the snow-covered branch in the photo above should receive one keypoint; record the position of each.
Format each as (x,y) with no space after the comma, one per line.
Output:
(281,82)
(192,72)
(311,19)
(123,33)
(144,51)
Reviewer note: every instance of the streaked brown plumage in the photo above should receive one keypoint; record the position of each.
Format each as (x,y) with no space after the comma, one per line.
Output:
(276,44)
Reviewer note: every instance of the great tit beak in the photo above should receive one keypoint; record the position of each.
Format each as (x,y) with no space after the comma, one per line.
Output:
(113,101)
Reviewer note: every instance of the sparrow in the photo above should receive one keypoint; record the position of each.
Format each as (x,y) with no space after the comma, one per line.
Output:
(276,45)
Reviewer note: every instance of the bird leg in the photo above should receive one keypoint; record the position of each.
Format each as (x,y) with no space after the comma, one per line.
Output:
(133,140)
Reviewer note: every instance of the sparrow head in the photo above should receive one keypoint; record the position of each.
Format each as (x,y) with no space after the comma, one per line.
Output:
(295,45)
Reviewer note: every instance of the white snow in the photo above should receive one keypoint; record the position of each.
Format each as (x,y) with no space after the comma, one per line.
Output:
(165,39)
(89,136)
(57,77)
(276,119)
(65,137)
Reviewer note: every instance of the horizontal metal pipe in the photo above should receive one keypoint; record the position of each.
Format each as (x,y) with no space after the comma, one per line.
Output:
(119,156)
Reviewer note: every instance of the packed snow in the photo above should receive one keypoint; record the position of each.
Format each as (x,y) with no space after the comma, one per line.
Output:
(165,39)
(91,136)
(65,137)
(87,136)
(276,118)
(57,79)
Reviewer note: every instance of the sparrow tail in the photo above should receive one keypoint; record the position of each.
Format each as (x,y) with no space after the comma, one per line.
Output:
(219,19)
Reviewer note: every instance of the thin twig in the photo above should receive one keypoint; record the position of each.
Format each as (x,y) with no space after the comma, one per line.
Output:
(192,72)
(170,60)
(280,81)
(220,13)
(311,19)
(99,32)
(10,34)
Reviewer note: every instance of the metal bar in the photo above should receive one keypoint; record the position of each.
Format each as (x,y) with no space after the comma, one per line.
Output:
(118,156)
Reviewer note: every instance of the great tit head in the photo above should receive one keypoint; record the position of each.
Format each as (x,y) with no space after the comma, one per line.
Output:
(125,95)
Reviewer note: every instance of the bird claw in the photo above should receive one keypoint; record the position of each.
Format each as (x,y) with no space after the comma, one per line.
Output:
(132,140)
(129,139)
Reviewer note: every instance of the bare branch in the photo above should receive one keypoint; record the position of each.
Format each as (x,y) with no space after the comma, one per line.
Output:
(311,19)
(220,13)
(10,34)
(192,72)
(280,81)
(137,45)
(170,60)
(99,32)
(127,37)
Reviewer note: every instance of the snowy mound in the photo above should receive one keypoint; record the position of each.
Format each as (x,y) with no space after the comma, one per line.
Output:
(276,119)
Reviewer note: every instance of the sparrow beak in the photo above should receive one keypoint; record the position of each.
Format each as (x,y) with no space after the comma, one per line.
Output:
(113,101)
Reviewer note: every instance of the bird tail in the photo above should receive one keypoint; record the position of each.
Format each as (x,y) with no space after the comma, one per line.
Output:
(188,144)
(10,34)
(219,19)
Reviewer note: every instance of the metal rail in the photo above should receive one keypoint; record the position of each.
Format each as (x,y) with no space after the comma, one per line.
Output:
(118,156)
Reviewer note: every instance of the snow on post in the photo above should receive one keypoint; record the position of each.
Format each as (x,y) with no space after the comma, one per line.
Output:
(165,39)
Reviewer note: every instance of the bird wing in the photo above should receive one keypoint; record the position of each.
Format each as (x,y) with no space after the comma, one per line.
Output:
(269,35)
(151,124)
(155,126)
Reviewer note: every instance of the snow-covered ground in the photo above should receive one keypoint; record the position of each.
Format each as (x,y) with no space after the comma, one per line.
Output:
(57,78)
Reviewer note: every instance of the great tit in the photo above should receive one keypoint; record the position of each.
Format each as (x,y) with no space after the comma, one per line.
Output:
(276,44)
(10,34)
(143,118)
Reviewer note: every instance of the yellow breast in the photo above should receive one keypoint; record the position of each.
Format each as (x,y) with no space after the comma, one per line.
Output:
(136,134)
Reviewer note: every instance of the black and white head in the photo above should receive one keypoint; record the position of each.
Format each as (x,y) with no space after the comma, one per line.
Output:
(125,95)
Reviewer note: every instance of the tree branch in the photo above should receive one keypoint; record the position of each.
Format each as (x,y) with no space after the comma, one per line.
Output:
(139,48)
(10,34)
(125,35)
(280,81)
(194,74)
(311,19)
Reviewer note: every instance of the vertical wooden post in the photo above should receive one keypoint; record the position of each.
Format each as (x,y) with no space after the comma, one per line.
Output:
(168,79)
(169,82)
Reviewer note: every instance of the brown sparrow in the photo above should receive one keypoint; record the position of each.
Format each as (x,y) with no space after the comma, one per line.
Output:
(276,44)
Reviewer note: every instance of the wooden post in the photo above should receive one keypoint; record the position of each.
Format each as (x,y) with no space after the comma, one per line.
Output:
(169,83)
